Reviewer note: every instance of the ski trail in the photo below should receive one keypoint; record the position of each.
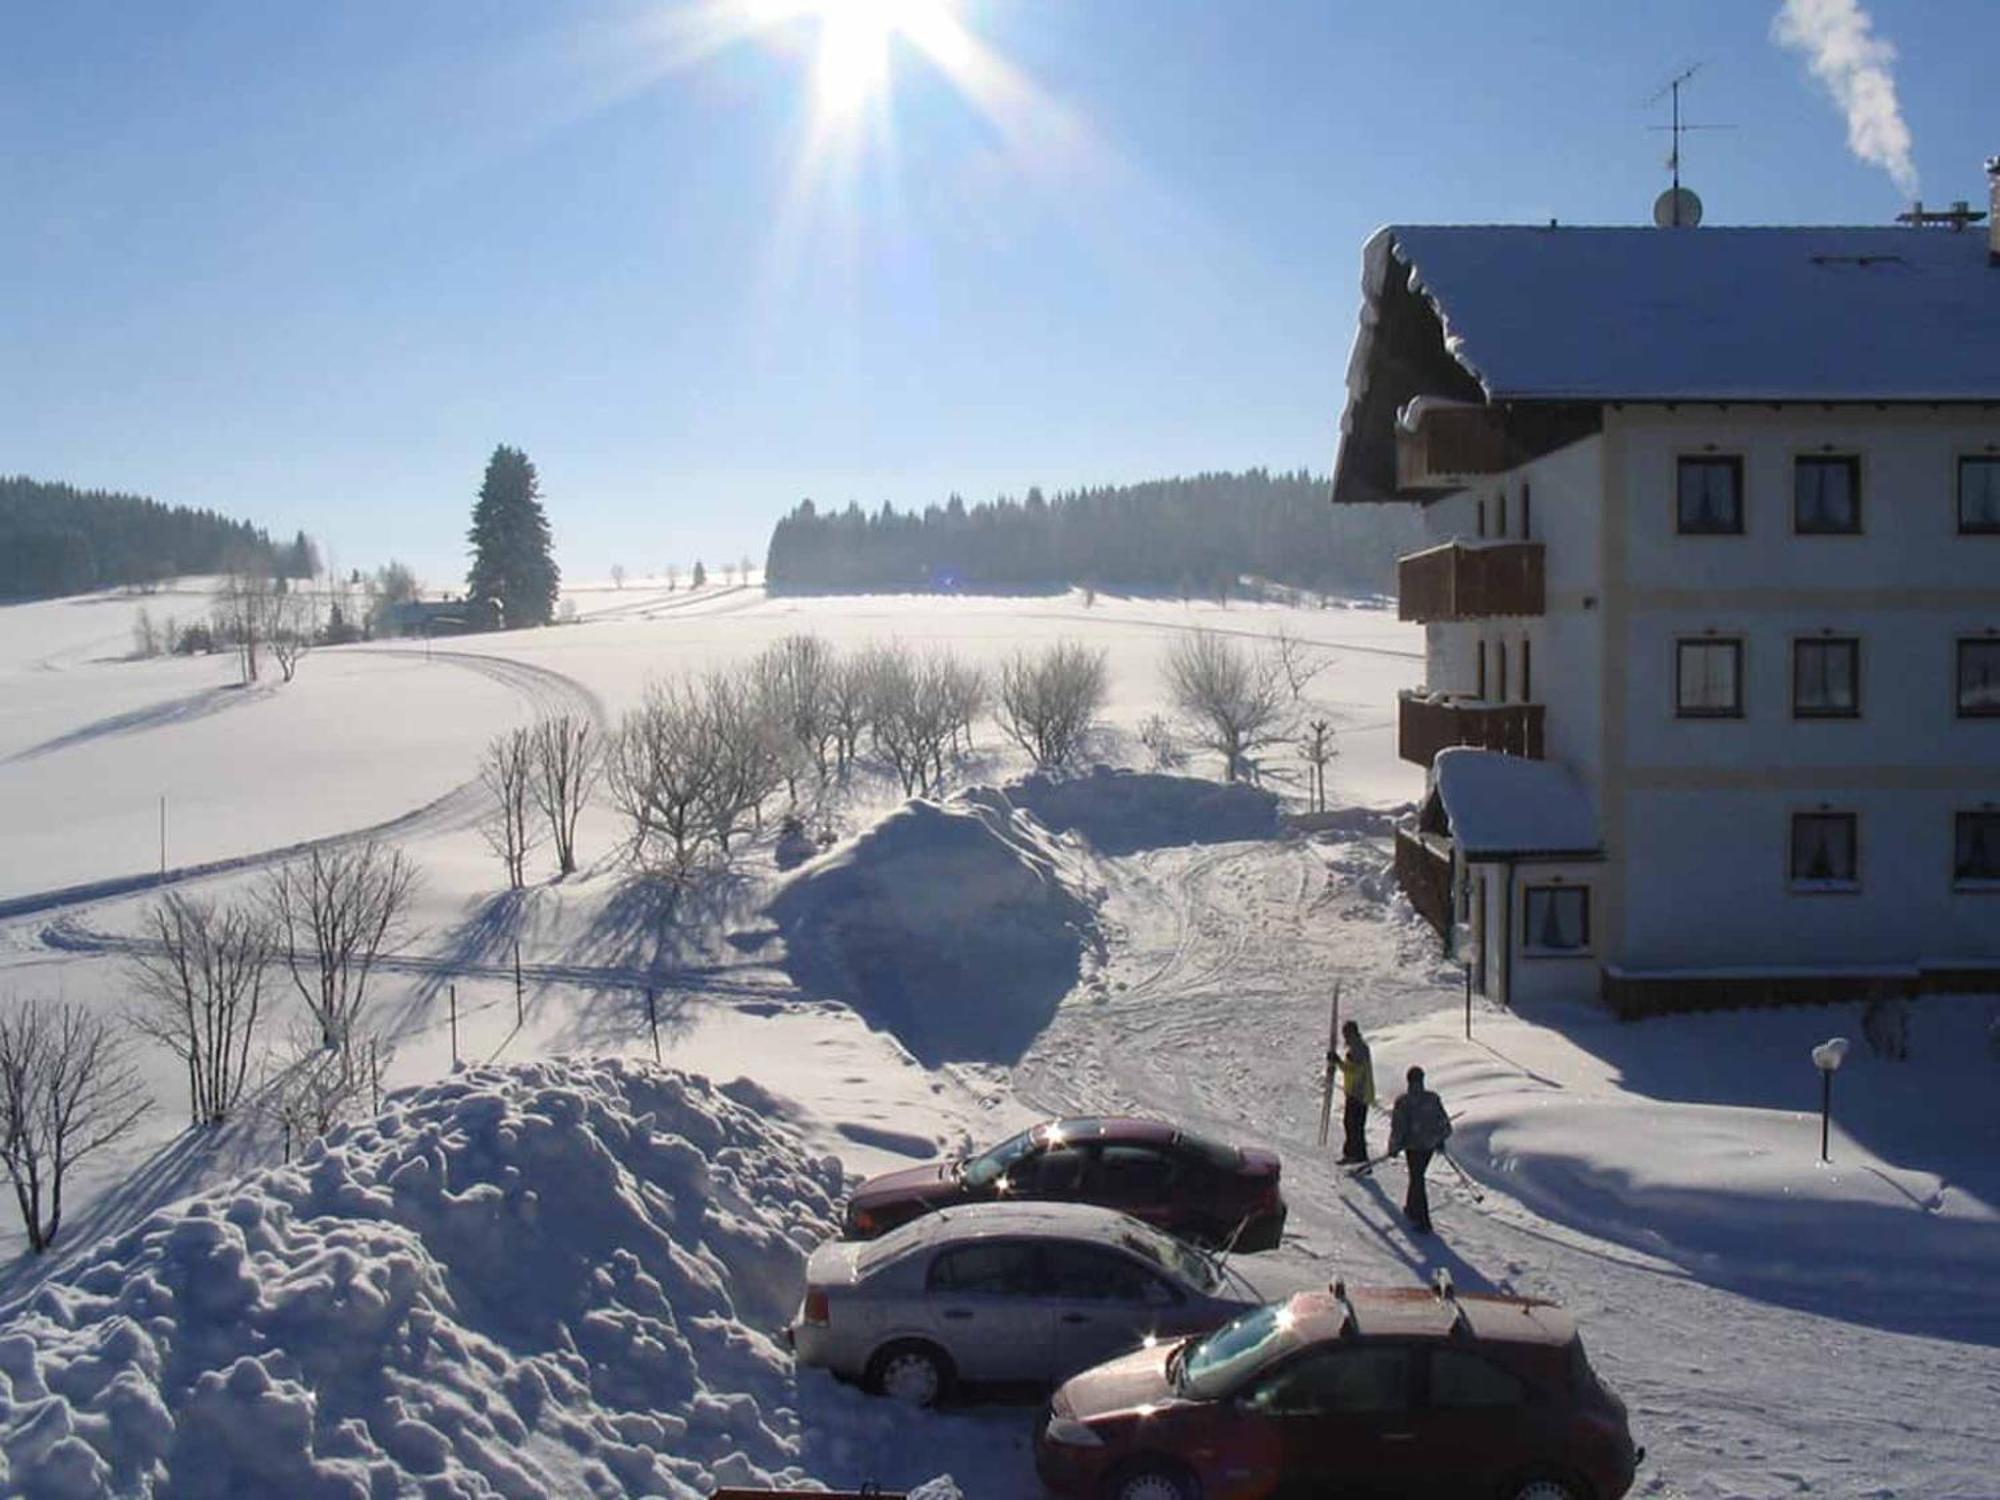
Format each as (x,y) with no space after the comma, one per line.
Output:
(549,693)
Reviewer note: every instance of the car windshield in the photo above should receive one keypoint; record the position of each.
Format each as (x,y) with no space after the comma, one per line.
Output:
(1214,1364)
(986,1168)
(1177,1258)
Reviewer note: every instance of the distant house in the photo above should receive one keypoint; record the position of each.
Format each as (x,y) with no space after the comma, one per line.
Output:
(434,617)
(1711,602)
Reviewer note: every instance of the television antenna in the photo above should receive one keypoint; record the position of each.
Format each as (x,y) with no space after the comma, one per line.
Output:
(1678,207)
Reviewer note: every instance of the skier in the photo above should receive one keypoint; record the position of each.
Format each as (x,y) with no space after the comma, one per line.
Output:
(1357,1089)
(1418,1128)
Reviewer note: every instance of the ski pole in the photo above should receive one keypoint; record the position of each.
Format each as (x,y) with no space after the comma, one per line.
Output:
(1464,1177)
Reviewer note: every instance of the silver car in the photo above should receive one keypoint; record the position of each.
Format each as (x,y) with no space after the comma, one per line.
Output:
(1004,1293)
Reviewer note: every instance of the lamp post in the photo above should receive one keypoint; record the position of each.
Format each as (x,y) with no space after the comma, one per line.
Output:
(1827,1057)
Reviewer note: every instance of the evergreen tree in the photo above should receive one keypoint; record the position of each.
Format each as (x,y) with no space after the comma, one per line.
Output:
(512,564)
(700,578)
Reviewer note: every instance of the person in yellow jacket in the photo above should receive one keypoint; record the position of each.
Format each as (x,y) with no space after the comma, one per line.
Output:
(1357,1091)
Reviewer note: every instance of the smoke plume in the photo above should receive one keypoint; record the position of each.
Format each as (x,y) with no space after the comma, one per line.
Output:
(1838,42)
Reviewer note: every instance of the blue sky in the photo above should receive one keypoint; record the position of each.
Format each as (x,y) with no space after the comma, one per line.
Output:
(310,264)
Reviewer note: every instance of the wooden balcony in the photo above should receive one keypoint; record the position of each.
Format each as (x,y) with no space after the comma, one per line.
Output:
(1423,870)
(1457,582)
(1453,444)
(1425,726)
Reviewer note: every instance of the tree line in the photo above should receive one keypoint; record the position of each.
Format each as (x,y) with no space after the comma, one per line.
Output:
(57,539)
(1196,535)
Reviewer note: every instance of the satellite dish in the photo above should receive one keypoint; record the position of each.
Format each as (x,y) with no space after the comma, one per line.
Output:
(1677,208)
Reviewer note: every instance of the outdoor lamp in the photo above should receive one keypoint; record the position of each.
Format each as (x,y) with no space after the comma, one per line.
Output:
(1827,1057)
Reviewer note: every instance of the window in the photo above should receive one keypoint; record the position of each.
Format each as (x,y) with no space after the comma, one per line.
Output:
(1527,671)
(1084,1273)
(1500,501)
(1527,513)
(1979,495)
(1346,1382)
(1979,678)
(1826,678)
(995,1270)
(1709,496)
(1556,918)
(1823,851)
(1482,671)
(1826,496)
(1482,518)
(1133,1173)
(1976,849)
(1054,1173)
(1708,679)
(1460,1381)
(1500,671)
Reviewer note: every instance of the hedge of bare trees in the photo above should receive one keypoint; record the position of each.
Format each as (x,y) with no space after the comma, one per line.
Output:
(334,911)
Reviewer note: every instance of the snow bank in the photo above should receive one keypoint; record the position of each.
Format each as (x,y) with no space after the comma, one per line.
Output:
(956,926)
(555,1278)
(1122,812)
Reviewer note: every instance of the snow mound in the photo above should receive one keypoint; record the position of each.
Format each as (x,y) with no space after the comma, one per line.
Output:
(957,926)
(1122,812)
(553,1278)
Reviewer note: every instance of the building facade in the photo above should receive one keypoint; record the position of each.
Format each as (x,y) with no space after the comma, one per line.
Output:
(1727,576)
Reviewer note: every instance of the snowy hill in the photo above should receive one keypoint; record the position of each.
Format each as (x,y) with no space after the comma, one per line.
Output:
(556,1278)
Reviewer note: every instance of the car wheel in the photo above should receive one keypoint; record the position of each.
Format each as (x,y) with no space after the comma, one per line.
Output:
(1150,1481)
(915,1374)
(1544,1487)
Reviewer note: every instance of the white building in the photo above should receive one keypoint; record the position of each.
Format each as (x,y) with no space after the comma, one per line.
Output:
(1713,593)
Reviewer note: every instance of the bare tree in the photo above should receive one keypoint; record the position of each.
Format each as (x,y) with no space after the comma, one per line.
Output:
(745,746)
(850,701)
(244,606)
(507,770)
(334,909)
(659,768)
(1317,749)
(65,1092)
(566,770)
(1299,661)
(911,714)
(1235,701)
(794,680)
(1049,700)
(618,575)
(968,694)
(1157,735)
(293,627)
(200,983)
(743,567)
(673,576)
(145,635)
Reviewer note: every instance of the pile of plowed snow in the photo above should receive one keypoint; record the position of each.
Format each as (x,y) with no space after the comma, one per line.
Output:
(957,926)
(553,1278)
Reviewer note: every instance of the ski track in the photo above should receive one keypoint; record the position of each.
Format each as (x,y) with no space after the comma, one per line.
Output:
(1211,1008)
(548,693)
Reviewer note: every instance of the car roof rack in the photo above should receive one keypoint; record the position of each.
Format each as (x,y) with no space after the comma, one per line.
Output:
(1445,1292)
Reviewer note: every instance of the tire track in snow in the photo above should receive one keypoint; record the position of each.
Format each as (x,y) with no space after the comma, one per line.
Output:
(548,692)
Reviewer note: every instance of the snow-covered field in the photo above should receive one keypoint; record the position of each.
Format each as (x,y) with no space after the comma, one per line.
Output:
(1779,1327)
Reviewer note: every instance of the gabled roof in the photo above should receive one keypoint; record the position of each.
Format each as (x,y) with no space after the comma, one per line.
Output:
(1504,805)
(1798,314)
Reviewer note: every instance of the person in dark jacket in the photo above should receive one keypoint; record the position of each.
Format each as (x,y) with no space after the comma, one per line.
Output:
(1357,1092)
(1418,1128)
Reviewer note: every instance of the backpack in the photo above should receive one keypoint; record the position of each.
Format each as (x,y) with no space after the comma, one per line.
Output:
(1430,1126)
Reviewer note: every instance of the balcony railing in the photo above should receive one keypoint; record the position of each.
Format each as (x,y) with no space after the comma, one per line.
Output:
(1427,725)
(1457,582)
(1423,870)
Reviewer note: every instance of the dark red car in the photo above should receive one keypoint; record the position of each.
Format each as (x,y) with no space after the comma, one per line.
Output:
(1181,1182)
(1382,1392)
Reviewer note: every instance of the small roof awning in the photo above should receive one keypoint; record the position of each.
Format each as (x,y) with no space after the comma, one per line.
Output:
(1505,806)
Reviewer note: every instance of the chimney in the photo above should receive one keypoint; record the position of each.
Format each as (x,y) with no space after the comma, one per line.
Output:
(1993,213)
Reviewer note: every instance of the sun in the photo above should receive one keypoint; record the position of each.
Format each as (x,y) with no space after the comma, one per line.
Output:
(851,68)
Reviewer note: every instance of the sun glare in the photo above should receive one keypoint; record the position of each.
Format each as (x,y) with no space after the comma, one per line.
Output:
(852,66)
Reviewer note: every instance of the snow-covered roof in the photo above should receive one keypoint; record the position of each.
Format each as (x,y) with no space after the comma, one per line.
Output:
(1506,805)
(1890,314)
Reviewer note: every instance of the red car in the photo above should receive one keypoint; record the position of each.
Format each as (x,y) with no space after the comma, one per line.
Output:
(1178,1181)
(1382,1392)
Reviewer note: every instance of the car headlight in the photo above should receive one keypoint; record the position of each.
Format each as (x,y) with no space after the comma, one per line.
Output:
(1071,1433)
